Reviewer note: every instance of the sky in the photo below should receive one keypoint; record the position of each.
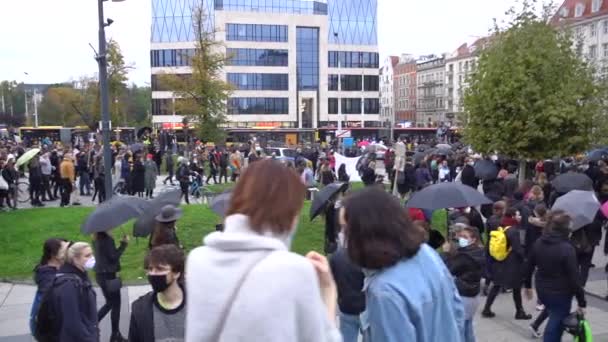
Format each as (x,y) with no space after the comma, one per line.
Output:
(49,39)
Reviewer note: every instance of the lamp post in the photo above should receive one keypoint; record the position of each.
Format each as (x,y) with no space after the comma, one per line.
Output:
(106,125)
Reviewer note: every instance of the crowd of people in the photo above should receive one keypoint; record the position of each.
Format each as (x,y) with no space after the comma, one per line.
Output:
(389,274)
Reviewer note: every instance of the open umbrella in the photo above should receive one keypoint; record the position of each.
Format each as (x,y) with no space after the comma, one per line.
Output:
(444,146)
(572,181)
(220,203)
(324,196)
(440,151)
(597,155)
(581,206)
(486,170)
(419,157)
(422,148)
(113,213)
(146,222)
(447,195)
(27,156)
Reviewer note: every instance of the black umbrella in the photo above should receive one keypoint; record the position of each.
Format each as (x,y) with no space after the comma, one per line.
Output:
(136,147)
(440,151)
(419,157)
(597,155)
(486,170)
(146,222)
(447,195)
(324,196)
(572,181)
(143,130)
(113,213)
(220,203)
(422,148)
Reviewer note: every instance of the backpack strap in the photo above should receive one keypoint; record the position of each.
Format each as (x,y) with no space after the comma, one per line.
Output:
(230,303)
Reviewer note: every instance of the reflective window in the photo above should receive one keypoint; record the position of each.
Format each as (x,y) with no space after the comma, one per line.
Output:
(308,58)
(332,104)
(353,59)
(172,19)
(257,57)
(351,106)
(171,57)
(352,22)
(350,82)
(246,81)
(258,105)
(256,32)
(371,83)
(274,6)
(332,82)
(372,106)
(158,85)
(162,106)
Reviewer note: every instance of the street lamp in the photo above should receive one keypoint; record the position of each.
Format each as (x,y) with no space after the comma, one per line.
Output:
(106,125)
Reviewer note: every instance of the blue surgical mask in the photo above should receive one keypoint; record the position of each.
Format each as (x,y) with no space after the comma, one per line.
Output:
(462,242)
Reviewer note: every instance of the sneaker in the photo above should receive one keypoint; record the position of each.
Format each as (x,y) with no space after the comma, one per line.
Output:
(522,315)
(487,314)
(535,332)
(540,307)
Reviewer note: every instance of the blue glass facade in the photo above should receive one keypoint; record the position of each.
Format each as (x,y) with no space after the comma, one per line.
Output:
(257,57)
(251,81)
(273,6)
(258,105)
(353,22)
(256,32)
(307,46)
(172,19)
(171,57)
(353,59)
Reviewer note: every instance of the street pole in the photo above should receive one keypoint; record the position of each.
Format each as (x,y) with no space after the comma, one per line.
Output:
(35,109)
(105,114)
(27,112)
(339,96)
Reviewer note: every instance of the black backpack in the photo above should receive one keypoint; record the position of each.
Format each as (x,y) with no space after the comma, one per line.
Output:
(581,242)
(48,318)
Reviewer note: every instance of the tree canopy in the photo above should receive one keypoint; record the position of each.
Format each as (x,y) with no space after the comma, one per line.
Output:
(531,96)
(202,96)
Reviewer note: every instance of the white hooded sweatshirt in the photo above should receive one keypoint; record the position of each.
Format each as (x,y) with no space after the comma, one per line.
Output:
(279,300)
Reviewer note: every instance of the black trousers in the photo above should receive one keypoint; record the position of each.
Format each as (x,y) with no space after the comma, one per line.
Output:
(212,174)
(584,265)
(223,173)
(112,301)
(35,190)
(46,187)
(66,191)
(100,189)
(184,186)
(170,176)
(495,290)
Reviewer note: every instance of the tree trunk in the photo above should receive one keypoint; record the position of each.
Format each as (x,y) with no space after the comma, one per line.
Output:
(522,171)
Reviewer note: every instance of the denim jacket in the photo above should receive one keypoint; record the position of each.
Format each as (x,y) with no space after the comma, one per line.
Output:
(413,300)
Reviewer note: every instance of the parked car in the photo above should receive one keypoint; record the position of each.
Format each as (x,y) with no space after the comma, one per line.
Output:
(282,154)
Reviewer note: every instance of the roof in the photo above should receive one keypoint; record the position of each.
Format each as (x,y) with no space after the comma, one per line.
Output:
(465,50)
(394,60)
(567,12)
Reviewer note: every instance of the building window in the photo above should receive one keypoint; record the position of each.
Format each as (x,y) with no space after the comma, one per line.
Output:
(293,7)
(162,106)
(246,81)
(371,83)
(595,5)
(258,105)
(351,106)
(354,59)
(592,51)
(605,24)
(307,60)
(157,84)
(350,82)
(171,57)
(257,57)
(332,83)
(372,106)
(256,32)
(605,50)
(593,30)
(579,9)
(332,105)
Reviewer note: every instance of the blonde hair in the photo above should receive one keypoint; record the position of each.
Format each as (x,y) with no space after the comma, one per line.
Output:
(75,251)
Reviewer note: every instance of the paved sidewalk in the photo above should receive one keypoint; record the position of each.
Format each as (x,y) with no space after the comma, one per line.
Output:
(15,304)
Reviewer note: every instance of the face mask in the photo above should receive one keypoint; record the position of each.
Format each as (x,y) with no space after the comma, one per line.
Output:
(462,242)
(158,282)
(89,264)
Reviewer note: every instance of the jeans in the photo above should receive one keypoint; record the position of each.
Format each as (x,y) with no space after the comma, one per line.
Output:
(558,306)
(85,183)
(470,308)
(349,327)
(469,332)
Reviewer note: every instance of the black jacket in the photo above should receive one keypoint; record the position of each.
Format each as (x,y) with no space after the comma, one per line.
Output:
(555,258)
(468,177)
(349,280)
(43,276)
(509,272)
(141,325)
(107,256)
(467,265)
(76,303)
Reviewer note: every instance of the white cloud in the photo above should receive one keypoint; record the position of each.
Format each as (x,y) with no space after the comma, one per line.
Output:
(50,38)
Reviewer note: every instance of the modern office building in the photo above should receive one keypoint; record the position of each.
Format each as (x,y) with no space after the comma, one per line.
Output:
(295,64)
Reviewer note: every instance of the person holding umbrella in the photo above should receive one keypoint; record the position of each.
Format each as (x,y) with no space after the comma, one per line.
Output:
(107,266)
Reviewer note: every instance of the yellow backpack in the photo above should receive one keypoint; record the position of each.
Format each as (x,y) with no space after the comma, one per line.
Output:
(498,244)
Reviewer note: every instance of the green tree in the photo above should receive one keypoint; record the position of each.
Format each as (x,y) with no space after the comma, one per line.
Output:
(531,96)
(203,96)
(57,107)
(117,84)
(138,105)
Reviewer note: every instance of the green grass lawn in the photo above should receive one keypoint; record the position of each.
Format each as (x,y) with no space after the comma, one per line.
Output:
(24,232)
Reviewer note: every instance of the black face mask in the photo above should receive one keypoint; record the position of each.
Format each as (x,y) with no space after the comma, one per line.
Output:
(158,282)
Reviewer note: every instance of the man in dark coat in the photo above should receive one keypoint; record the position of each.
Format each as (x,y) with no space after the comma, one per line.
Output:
(468,175)
(169,165)
(508,273)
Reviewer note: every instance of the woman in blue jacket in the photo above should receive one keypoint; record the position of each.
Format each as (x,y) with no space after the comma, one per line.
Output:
(410,294)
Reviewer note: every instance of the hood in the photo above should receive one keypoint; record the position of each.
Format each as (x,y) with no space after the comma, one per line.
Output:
(476,253)
(44,273)
(239,236)
(553,239)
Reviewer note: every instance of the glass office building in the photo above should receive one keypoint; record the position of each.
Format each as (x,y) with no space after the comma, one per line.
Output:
(295,64)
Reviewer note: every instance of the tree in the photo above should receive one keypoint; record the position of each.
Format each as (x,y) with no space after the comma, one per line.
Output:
(138,105)
(117,83)
(57,107)
(531,96)
(203,96)
(12,101)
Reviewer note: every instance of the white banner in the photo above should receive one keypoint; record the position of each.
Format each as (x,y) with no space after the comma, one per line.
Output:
(351,166)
